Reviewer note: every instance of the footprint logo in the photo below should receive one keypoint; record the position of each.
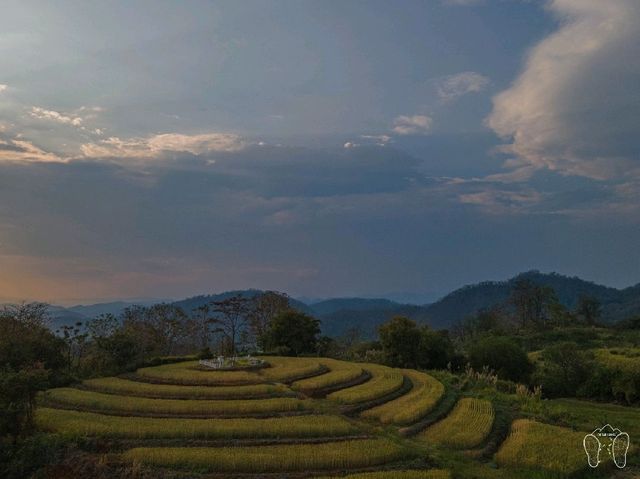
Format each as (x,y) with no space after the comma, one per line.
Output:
(606,441)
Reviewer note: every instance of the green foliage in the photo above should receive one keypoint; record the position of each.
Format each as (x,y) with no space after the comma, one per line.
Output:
(502,355)
(406,345)
(292,333)
(400,338)
(24,343)
(33,453)
(564,368)
(18,391)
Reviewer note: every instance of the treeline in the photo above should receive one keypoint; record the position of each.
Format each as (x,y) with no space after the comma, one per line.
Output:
(498,341)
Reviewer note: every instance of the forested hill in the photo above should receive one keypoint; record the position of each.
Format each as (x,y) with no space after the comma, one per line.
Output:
(616,304)
(340,315)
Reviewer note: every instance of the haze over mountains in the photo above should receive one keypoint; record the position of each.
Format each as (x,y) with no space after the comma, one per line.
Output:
(339,315)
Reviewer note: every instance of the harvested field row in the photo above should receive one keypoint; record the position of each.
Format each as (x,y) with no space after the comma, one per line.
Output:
(411,407)
(77,398)
(341,372)
(535,445)
(189,373)
(465,427)
(114,385)
(263,459)
(428,474)
(384,380)
(91,424)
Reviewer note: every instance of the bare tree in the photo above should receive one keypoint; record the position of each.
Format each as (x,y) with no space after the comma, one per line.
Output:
(203,321)
(232,317)
(32,314)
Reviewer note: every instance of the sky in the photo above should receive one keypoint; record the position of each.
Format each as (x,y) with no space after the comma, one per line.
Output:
(162,149)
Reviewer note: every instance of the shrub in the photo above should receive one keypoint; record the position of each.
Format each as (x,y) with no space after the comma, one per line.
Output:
(502,355)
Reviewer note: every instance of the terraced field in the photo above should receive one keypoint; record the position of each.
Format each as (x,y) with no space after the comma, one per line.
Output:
(409,408)
(467,426)
(317,417)
(534,445)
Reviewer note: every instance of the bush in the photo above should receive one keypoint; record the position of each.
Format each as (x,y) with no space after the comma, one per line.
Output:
(205,353)
(502,355)
(564,369)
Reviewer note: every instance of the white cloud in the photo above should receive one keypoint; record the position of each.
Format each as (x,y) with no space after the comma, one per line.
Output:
(575,107)
(154,146)
(455,86)
(412,125)
(3,87)
(21,150)
(42,114)
(380,140)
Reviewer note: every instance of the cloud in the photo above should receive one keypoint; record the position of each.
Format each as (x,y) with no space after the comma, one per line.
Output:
(42,114)
(500,202)
(455,86)
(3,87)
(21,150)
(575,106)
(412,125)
(154,146)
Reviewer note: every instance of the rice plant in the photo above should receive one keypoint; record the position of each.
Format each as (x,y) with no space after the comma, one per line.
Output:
(340,372)
(77,423)
(409,408)
(114,385)
(277,458)
(535,445)
(76,398)
(393,474)
(384,380)
(465,427)
(190,373)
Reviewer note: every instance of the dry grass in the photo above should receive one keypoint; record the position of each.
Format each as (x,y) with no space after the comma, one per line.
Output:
(414,405)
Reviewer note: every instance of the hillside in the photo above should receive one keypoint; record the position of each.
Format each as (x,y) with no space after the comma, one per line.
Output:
(339,315)
(616,304)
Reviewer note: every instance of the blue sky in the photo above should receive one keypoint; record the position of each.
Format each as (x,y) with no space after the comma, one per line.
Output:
(164,149)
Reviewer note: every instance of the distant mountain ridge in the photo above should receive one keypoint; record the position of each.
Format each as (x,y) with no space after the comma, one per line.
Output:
(339,315)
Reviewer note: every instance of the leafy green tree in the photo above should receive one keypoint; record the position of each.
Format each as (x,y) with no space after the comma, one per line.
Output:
(18,391)
(435,349)
(502,355)
(263,308)
(292,333)
(400,338)
(588,310)
(564,369)
(533,303)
